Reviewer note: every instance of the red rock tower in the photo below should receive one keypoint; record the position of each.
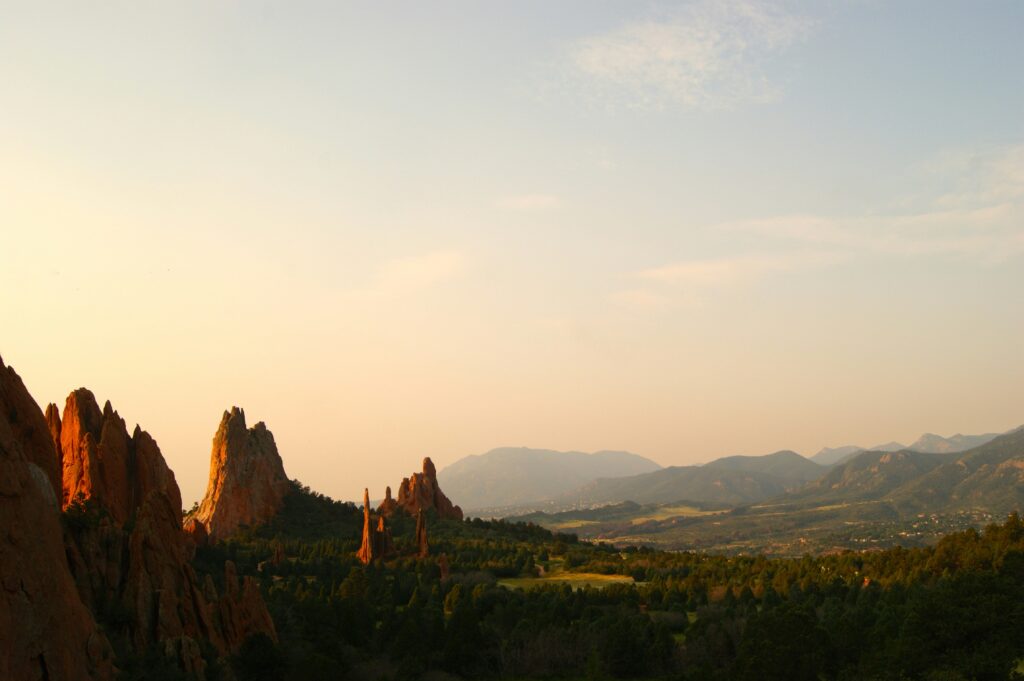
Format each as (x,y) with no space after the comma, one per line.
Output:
(376,535)
(247,479)
(421,492)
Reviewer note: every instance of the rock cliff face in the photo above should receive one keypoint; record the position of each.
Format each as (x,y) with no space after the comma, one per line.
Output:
(247,479)
(421,492)
(128,551)
(46,630)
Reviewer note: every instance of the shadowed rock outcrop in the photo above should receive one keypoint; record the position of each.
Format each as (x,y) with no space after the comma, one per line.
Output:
(247,479)
(421,493)
(45,629)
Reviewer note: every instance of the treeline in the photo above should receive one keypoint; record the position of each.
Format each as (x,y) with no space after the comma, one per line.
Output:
(953,611)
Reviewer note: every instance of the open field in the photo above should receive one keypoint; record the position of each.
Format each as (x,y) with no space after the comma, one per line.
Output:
(577,580)
(671,511)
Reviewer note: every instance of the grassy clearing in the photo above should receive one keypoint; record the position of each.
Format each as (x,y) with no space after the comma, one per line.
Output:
(577,580)
(570,525)
(667,512)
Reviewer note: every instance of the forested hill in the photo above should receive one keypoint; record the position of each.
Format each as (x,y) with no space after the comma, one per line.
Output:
(521,602)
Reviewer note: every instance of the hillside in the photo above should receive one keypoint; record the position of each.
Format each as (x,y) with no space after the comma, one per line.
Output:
(510,476)
(868,476)
(990,476)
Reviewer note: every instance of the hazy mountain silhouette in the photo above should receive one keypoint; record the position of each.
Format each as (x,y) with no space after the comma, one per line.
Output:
(785,464)
(519,475)
(733,480)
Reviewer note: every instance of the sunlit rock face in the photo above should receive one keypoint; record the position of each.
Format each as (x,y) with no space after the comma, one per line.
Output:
(46,630)
(247,479)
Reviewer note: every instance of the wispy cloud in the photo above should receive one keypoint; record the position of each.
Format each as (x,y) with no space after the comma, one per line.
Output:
(734,269)
(706,55)
(688,282)
(981,218)
(419,271)
(640,297)
(405,277)
(527,202)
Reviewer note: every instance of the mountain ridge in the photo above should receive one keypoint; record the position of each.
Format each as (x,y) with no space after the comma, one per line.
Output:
(521,475)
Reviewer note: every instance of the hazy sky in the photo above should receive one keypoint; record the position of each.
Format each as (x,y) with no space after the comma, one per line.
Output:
(397,229)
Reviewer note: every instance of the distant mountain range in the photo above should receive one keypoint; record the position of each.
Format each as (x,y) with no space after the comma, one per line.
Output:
(760,504)
(515,476)
(733,480)
(989,476)
(929,443)
(519,479)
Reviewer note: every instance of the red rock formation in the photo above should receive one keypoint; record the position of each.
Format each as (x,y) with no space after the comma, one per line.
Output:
(421,492)
(388,506)
(422,547)
(141,568)
(46,632)
(247,479)
(376,541)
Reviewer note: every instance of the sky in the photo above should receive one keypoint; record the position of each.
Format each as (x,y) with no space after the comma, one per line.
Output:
(393,230)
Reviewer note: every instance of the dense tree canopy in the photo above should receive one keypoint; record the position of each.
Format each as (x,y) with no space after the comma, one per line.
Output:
(952,611)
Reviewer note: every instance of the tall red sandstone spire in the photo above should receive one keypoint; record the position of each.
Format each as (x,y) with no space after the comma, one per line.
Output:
(376,535)
(365,553)
(247,479)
